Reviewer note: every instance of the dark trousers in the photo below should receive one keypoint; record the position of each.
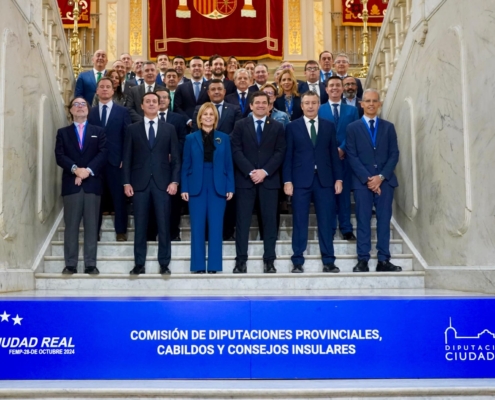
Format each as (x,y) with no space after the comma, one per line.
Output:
(209,206)
(79,206)
(365,200)
(343,201)
(112,183)
(246,199)
(176,205)
(324,201)
(229,218)
(152,196)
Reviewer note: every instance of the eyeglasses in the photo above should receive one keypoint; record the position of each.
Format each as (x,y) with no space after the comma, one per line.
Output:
(288,66)
(349,84)
(371,101)
(341,62)
(312,69)
(79,104)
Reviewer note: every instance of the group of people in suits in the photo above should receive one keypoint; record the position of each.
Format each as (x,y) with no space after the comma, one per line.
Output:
(226,146)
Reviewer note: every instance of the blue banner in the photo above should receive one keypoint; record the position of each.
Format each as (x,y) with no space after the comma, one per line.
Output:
(247,338)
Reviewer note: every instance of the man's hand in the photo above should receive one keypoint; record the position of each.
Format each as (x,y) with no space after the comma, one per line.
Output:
(288,189)
(341,153)
(374,183)
(338,187)
(129,192)
(172,189)
(185,196)
(78,181)
(257,176)
(121,164)
(82,173)
(229,196)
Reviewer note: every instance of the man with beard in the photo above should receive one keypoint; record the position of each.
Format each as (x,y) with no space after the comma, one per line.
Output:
(349,95)
(217,65)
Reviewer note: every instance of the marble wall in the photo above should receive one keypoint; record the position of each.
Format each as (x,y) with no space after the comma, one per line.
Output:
(31,110)
(440,99)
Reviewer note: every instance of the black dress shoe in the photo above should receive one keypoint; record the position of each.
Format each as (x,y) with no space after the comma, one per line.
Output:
(176,239)
(361,266)
(297,269)
(212,272)
(330,268)
(165,270)
(198,272)
(69,270)
(91,270)
(387,266)
(269,268)
(240,268)
(138,269)
(348,236)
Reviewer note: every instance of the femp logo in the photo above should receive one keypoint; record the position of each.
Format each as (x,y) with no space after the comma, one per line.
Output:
(480,347)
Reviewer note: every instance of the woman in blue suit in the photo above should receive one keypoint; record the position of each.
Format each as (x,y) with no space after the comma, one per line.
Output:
(207,182)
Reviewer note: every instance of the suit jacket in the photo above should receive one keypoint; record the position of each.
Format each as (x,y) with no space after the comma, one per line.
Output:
(128,85)
(302,156)
(133,102)
(141,163)
(248,155)
(86,85)
(117,123)
(93,155)
(233,98)
(363,157)
(253,88)
(230,115)
(192,165)
(229,87)
(358,105)
(130,75)
(184,100)
(296,108)
(159,80)
(304,87)
(180,125)
(347,115)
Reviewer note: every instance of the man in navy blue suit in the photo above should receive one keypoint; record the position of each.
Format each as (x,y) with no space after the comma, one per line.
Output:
(326,62)
(151,170)
(114,119)
(341,115)
(162,62)
(81,152)
(373,153)
(349,95)
(240,96)
(341,65)
(86,81)
(260,77)
(179,64)
(312,171)
(312,73)
(218,72)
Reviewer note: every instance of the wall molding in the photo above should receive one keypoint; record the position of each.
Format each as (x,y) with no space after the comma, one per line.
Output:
(415,205)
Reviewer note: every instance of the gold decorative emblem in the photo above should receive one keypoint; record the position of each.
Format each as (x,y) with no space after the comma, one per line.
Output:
(215,9)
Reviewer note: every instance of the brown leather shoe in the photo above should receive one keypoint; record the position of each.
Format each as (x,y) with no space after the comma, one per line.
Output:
(121,237)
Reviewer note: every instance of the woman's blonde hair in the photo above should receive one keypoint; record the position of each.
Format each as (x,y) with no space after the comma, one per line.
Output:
(294,83)
(202,110)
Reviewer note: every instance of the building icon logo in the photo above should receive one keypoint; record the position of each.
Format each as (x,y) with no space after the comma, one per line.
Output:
(480,347)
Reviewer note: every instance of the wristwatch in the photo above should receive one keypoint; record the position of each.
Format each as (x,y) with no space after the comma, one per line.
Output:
(381,177)
(73,169)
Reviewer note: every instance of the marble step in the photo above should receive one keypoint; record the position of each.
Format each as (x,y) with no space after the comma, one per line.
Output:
(225,282)
(181,265)
(285,233)
(183,249)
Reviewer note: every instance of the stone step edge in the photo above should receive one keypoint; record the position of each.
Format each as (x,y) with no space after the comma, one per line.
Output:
(188,228)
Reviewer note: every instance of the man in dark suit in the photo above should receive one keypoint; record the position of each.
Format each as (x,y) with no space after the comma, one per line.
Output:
(81,153)
(240,96)
(179,64)
(114,119)
(86,81)
(258,149)
(126,58)
(162,62)
(312,171)
(341,115)
(326,61)
(218,72)
(311,71)
(373,153)
(342,66)
(260,77)
(349,95)
(137,92)
(191,93)
(151,170)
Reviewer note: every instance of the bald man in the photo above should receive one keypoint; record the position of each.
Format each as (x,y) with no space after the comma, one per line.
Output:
(87,80)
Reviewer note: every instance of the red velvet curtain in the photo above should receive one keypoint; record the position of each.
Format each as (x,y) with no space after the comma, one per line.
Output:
(352,10)
(68,18)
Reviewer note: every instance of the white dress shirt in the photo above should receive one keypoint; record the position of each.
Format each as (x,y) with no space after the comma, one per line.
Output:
(316,87)
(308,124)
(109,108)
(95,72)
(147,126)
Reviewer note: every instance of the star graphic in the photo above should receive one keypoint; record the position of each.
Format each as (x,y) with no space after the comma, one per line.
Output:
(5,316)
(17,320)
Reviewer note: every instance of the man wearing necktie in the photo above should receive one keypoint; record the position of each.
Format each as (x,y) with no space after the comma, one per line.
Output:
(87,80)
(162,62)
(341,115)
(326,62)
(81,152)
(240,96)
(373,153)
(139,71)
(126,58)
(313,83)
(312,172)
(258,149)
(151,173)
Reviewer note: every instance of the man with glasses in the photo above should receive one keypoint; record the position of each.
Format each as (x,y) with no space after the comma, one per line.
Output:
(326,61)
(373,153)
(311,71)
(341,65)
(349,95)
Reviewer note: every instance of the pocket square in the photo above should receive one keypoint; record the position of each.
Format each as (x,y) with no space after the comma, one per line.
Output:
(94,136)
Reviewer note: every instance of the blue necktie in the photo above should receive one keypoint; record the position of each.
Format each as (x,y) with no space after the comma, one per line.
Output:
(218,110)
(196,90)
(162,116)
(327,75)
(141,81)
(259,131)
(372,127)
(104,116)
(151,134)
(336,113)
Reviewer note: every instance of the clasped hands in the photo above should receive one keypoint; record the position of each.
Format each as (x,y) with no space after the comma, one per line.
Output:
(289,188)
(171,189)
(185,196)
(374,183)
(257,176)
(81,174)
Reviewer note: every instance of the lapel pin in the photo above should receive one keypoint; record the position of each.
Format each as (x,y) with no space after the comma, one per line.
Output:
(218,140)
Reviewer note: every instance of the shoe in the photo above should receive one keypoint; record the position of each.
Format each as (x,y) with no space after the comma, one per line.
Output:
(176,239)
(230,238)
(349,236)
(91,271)
(330,268)
(69,270)
(361,266)
(121,237)
(138,269)
(240,267)
(297,269)
(165,270)
(212,272)
(198,272)
(269,268)
(387,266)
